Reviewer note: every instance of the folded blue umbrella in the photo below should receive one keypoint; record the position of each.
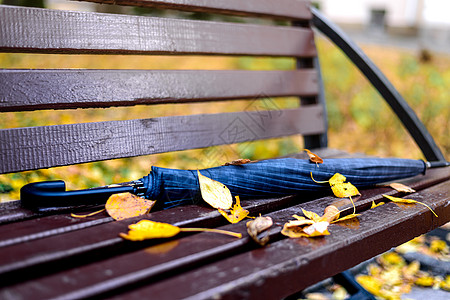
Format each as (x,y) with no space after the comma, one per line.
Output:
(275,177)
(263,179)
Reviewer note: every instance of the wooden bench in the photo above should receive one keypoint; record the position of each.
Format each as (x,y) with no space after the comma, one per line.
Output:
(55,256)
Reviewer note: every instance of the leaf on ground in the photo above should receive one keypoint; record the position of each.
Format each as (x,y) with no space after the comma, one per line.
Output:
(237,213)
(400,187)
(215,193)
(408,201)
(257,226)
(238,162)
(314,157)
(126,205)
(146,229)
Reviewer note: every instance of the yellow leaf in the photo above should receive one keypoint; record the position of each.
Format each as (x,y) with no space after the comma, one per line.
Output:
(439,246)
(336,179)
(376,205)
(237,213)
(317,229)
(425,280)
(408,201)
(399,187)
(313,157)
(445,284)
(344,190)
(371,284)
(351,216)
(87,215)
(215,193)
(297,223)
(147,229)
(257,226)
(126,205)
(391,259)
(293,232)
(311,215)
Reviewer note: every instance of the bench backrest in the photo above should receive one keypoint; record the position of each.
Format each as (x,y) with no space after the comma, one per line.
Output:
(52,31)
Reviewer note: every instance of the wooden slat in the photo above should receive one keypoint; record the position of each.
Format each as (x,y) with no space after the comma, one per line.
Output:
(280,9)
(44,31)
(48,146)
(290,265)
(56,89)
(167,259)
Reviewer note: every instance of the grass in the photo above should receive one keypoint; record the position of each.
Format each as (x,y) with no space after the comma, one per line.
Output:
(359,119)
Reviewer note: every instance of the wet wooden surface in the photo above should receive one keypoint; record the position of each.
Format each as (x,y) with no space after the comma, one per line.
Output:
(62,260)
(56,256)
(61,89)
(57,145)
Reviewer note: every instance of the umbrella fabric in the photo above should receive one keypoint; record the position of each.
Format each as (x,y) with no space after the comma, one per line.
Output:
(275,177)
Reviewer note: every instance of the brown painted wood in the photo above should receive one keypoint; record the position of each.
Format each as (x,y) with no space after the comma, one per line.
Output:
(57,89)
(53,31)
(48,146)
(290,265)
(281,9)
(161,261)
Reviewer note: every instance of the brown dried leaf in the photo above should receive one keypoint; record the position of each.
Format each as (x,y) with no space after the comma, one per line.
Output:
(399,187)
(314,157)
(126,205)
(257,226)
(238,162)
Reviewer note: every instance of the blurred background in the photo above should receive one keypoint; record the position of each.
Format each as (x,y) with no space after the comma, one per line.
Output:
(408,40)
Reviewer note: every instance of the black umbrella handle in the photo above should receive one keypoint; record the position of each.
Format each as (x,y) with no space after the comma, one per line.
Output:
(52,195)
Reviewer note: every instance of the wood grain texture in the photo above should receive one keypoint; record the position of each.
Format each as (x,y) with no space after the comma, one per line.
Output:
(280,9)
(56,89)
(172,259)
(48,146)
(46,31)
(290,265)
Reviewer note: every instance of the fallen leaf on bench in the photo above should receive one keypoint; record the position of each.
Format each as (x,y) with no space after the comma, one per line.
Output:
(313,157)
(408,201)
(311,226)
(238,162)
(399,187)
(310,215)
(237,213)
(340,188)
(126,205)
(146,229)
(376,205)
(257,226)
(347,217)
(215,193)
(87,215)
